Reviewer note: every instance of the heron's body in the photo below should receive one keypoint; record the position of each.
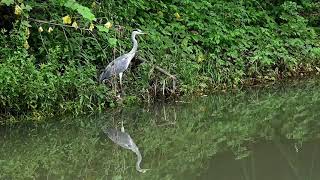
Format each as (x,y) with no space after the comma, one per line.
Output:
(117,66)
(124,140)
(120,64)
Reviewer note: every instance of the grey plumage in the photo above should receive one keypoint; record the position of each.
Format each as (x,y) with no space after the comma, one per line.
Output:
(120,64)
(117,66)
(124,140)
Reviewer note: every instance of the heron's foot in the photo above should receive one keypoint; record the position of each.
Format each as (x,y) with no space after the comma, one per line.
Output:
(122,127)
(143,170)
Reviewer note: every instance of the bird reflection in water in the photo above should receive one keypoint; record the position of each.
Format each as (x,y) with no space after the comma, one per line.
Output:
(124,140)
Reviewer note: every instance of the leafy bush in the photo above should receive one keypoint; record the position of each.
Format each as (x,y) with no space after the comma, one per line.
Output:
(52,52)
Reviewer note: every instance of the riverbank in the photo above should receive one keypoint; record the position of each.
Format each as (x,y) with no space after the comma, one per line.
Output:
(50,64)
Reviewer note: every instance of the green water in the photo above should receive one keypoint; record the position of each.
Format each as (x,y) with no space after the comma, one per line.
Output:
(270,133)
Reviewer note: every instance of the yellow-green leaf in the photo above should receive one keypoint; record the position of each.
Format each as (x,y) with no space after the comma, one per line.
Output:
(17,10)
(50,29)
(26,45)
(40,29)
(91,27)
(177,15)
(75,25)
(66,19)
(108,25)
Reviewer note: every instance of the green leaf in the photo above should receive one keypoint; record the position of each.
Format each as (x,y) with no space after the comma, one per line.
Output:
(85,12)
(102,28)
(26,23)
(112,42)
(26,7)
(7,2)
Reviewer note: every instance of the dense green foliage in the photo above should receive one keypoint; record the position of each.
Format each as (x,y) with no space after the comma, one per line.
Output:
(49,65)
(177,141)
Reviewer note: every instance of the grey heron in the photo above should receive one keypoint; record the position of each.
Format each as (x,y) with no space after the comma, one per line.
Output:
(120,64)
(124,140)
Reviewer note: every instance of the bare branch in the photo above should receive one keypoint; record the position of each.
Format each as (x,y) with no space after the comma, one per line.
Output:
(56,24)
(174,79)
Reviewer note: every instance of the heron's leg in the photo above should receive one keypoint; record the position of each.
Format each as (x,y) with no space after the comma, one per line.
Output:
(114,82)
(120,76)
(122,127)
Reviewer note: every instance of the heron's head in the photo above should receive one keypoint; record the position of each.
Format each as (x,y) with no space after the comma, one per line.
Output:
(137,31)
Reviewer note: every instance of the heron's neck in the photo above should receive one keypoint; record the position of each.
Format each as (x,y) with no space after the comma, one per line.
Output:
(135,44)
(139,160)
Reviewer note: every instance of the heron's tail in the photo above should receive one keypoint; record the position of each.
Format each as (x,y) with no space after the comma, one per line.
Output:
(104,129)
(105,74)
(102,76)
(112,134)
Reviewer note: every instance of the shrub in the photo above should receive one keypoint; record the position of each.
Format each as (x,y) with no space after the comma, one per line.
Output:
(52,52)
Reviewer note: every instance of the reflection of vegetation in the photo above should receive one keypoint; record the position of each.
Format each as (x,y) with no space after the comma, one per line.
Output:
(202,129)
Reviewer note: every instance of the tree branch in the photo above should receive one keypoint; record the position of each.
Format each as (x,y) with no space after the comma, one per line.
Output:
(56,24)
(174,78)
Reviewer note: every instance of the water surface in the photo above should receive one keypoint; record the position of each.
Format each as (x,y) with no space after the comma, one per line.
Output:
(270,133)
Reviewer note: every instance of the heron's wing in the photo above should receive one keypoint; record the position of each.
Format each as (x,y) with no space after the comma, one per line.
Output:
(121,63)
(105,74)
(121,138)
(116,66)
